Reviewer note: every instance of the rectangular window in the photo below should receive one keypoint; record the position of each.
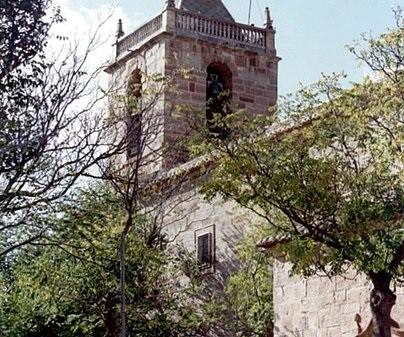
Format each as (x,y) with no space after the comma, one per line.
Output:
(133,135)
(205,251)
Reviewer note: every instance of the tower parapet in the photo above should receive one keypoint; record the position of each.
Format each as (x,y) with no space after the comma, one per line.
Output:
(182,22)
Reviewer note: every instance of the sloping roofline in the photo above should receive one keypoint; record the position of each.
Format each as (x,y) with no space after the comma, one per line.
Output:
(210,8)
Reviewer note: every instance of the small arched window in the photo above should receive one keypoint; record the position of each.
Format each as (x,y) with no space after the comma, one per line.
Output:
(218,97)
(134,113)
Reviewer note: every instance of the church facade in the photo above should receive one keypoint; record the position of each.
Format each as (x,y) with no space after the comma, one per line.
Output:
(223,56)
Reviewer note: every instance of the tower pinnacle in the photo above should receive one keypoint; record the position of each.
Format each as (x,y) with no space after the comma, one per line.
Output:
(119,31)
(269,22)
(170,3)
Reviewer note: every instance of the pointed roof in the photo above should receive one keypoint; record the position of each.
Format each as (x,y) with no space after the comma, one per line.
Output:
(212,8)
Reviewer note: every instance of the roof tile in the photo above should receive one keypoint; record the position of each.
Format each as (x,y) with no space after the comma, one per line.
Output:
(212,8)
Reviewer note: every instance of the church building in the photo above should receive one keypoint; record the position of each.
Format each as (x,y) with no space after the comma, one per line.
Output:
(224,58)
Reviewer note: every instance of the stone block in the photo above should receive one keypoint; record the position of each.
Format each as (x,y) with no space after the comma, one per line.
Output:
(351,308)
(333,332)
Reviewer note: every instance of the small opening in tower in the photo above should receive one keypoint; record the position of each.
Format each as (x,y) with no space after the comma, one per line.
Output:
(218,98)
(134,113)
(205,251)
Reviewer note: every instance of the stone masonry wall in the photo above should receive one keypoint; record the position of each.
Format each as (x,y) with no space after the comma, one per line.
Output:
(254,74)
(150,61)
(320,307)
(187,215)
(254,79)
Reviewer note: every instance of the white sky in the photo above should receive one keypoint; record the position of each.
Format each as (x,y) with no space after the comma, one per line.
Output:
(311,34)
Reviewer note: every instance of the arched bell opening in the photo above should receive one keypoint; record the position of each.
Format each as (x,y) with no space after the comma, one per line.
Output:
(134,113)
(218,98)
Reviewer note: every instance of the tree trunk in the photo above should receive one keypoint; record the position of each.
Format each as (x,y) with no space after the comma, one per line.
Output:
(109,317)
(382,300)
(122,280)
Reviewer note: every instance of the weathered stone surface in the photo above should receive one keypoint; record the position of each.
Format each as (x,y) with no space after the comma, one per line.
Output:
(320,307)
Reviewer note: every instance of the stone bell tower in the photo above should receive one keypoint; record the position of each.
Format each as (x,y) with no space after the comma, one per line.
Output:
(221,56)
(219,53)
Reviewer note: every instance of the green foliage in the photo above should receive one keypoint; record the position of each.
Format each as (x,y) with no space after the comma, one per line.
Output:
(73,289)
(326,169)
(246,306)
(50,134)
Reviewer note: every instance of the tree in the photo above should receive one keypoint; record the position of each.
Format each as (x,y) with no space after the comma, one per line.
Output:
(50,135)
(325,173)
(138,173)
(245,307)
(73,290)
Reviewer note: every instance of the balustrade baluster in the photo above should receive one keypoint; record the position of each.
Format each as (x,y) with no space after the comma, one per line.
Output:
(185,21)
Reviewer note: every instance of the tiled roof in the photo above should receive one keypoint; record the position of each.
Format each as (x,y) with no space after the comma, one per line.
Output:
(212,8)
(272,241)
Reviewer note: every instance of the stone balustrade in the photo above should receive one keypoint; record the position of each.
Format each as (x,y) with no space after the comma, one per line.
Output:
(190,24)
(229,32)
(139,35)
